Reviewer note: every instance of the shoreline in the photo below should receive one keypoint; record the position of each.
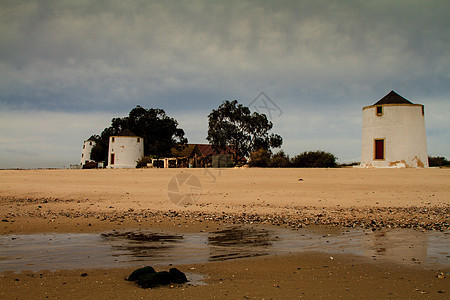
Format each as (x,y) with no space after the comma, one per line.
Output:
(419,218)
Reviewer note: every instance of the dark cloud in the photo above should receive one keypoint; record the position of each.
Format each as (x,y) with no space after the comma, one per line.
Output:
(313,57)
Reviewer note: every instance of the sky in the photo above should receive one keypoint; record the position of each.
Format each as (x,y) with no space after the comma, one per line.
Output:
(68,67)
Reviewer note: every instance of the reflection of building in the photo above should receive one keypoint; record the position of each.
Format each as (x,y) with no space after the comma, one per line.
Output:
(404,245)
(125,149)
(393,134)
(86,152)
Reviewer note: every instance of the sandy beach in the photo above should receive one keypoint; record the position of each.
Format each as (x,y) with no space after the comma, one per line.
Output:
(201,200)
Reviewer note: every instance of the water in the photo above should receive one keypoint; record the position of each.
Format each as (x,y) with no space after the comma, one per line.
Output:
(57,251)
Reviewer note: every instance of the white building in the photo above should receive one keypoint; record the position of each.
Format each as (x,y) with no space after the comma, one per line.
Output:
(393,134)
(125,149)
(86,152)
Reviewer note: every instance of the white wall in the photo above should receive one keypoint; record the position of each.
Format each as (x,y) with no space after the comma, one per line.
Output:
(86,152)
(127,151)
(403,128)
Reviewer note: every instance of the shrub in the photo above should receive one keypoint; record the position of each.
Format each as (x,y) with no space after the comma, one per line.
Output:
(279,160)
(438,161)
(350,164)
(142,163)
(314,159)
(259,158)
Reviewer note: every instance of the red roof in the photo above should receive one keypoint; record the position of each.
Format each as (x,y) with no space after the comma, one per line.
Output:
(207,150)
(199,149)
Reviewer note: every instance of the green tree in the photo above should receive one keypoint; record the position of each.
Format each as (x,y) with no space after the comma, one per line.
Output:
(100,151)
(260,158)
(279,160)
(233,126)
(438,161)
(160,132)
(314,159)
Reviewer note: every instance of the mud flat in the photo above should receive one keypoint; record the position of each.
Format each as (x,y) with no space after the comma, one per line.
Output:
(322,201)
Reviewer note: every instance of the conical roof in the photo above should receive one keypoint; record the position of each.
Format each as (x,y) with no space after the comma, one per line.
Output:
(126,132)
(393,98)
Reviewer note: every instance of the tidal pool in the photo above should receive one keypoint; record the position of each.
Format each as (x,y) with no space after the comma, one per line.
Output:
(56,251)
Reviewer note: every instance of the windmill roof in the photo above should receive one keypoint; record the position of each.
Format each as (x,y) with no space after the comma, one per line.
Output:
(393,98)
(126,132)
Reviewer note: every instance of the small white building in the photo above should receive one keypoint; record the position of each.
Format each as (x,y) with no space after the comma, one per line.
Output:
(393,134)
(125,149)
(86,152)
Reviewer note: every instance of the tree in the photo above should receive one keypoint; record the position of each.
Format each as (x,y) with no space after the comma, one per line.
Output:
(279,160)
(438,161)
(100,150)
(314,159)
(259,158)
(160,132)
(232,126)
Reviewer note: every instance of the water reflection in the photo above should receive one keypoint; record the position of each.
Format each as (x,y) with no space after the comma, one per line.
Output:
(137,248)
(239,242)
(141,245)
(398,246)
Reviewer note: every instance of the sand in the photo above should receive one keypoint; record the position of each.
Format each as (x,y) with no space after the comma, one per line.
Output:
(38,201)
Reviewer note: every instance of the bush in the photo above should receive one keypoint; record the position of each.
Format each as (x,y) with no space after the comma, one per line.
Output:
(142,163)
(279,160)
(259,158)
(437,161)
(350,164)
(314,159)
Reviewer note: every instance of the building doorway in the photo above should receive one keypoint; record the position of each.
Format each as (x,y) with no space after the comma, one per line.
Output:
(379,148)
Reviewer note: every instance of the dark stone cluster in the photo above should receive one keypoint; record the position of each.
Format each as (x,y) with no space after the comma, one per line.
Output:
(147,277)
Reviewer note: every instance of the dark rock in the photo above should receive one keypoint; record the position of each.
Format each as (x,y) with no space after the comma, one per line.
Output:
(147,277)
(140,272)
(154,280)
(84,275)
(177,276)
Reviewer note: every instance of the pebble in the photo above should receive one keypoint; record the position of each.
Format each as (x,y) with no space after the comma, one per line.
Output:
(375,218)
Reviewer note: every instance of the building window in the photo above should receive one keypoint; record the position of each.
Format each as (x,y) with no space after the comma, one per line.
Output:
(379,110)
(90,143)
(423,110)
(82,155)
(138,140)
(112,159)
(112,139)
(84,146)
(379,149)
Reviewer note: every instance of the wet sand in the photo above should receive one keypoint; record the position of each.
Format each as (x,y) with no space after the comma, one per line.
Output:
(39,201)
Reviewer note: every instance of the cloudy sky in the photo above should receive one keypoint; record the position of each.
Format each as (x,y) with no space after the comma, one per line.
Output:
(68,67)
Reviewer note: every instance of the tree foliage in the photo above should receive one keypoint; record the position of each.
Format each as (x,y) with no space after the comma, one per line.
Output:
(232,125)
(279,160)
(438,161)
(314,159)
(160,132)
(309,159)
(260,158)
(100,150)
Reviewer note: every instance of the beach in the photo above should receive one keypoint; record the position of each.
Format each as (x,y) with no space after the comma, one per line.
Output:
(203,200)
